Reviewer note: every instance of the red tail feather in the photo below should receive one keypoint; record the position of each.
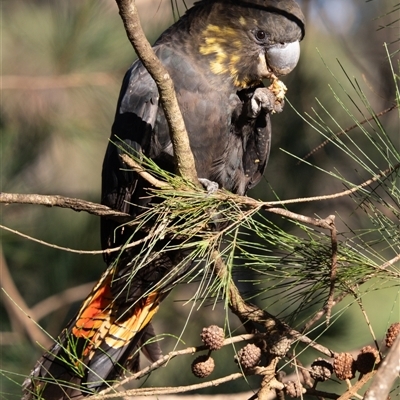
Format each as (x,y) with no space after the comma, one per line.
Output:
(96,347)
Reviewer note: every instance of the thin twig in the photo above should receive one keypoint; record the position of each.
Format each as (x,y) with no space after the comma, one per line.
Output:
(318,222)
(54,246)
(348,192)
(100,210)
(352,391)
(143,173)
(333,270)
(53,303)
(168,390)
(63,202)
(189,350)
(343,294)
(268,205)
(367,321)
(389,263)
(336,135)
(76,251)
(14,303)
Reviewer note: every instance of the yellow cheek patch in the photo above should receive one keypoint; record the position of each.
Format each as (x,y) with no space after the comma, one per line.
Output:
(209,42)
(216,39)
(225,47)
(218,68)
(234,59)
(219,31)
(237,44)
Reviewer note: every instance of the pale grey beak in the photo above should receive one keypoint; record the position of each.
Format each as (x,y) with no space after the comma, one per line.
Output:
(282,58)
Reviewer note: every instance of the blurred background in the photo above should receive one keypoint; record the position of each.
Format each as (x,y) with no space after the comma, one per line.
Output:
(62,64)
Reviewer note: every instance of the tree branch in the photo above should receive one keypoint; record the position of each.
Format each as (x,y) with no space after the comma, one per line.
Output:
(167,390)
(104,211)
(387,373)
(56,301)
(333,270)
(17,308)
(352,391)
(64,202)
(183,156)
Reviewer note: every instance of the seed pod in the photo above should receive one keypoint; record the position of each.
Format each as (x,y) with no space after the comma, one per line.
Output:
(344,366)
(213,337)
(249,356)
(392,334)
(202,366)
(278,344)
(366,360)
(294,389)
(321,370)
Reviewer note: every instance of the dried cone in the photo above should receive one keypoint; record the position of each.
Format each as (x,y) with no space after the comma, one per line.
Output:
(213,337)
(392,334)
(321,370)
(366,360)
(278,344)
(202,366)
(294,389)
(249,356)
(344,366)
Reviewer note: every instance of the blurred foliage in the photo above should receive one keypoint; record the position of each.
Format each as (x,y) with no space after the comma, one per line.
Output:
(62,64)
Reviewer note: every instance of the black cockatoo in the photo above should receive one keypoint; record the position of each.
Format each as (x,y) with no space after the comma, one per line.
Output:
(217,55)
